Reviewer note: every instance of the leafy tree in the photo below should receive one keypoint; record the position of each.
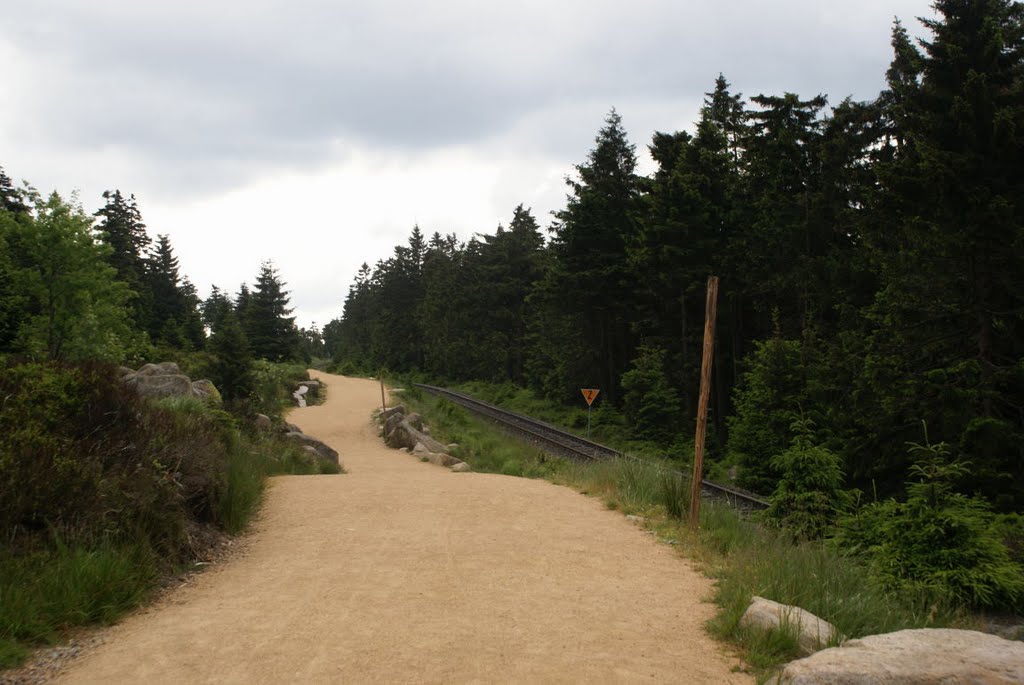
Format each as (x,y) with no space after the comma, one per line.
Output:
(73,304)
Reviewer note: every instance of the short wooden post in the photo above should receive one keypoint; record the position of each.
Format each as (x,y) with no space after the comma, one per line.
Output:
(710,312)
(383,402)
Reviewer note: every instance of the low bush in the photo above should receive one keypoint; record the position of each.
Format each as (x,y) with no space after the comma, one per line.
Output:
(273,385)
(99,489)
(939,544)
(82,456)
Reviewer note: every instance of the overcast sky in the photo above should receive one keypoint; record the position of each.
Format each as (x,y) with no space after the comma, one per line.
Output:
(316,133)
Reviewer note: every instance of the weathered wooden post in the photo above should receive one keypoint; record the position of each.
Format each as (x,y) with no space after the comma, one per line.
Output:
(710,312)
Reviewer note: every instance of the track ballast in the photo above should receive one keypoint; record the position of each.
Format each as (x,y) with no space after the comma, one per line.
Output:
(562,443)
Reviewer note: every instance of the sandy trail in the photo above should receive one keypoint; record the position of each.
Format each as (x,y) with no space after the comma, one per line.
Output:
(402,571)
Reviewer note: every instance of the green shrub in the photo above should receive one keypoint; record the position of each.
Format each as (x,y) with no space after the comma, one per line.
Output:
(767,403)
(939,543)
(651,405)
(810,492)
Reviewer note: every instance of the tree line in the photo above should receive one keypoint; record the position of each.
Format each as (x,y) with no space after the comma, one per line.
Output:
(871,257)
(75,287)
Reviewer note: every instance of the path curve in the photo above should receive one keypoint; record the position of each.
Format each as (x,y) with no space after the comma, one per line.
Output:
(402,571)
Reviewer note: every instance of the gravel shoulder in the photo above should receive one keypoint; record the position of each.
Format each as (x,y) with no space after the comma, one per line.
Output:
(402,571)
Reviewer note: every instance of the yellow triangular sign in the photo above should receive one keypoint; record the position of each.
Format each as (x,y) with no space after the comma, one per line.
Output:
(589,394)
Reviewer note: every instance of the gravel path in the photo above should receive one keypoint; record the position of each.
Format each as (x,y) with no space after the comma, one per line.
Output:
(402,571)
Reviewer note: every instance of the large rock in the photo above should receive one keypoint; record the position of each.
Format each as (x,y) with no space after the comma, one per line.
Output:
(812,632)
(166,380)
(914,657)
(158,386)
(323,448)
(207,392)
(439,458)
(161,369)
(405,434)
(391,422)
(391,411)
(312,388)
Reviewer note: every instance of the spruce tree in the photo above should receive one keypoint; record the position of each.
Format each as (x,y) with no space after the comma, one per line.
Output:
(11,199)
(231,369)
(271,331)
(946,335)
(214,308)
(167,303)
(591,281)
(121,228)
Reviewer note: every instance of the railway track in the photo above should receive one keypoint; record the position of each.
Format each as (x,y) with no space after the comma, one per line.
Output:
(562,443)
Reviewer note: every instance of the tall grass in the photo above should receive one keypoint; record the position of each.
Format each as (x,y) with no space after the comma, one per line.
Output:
(48,590)
(257,457)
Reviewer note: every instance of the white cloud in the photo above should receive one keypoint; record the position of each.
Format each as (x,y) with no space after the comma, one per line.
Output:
(317,132)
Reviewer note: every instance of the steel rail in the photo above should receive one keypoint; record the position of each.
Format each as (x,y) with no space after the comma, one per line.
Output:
(573,446)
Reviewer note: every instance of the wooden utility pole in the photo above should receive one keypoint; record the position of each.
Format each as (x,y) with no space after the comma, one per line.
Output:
(710,312)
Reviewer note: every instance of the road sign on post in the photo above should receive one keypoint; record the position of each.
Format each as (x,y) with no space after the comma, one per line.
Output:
(589,394)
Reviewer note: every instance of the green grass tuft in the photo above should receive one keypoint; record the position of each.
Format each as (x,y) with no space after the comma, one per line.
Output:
(44,592)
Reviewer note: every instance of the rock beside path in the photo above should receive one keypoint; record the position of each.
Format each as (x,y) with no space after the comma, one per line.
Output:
(408,432)
(165,379)
(323,449)
(913,657)
(812,632)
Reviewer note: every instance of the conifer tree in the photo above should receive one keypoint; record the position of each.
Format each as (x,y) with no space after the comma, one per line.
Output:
(167,303)
(122,229)
(231,370)
(590,279)
(11,199)
(271,331)
(214,308)
(946,334)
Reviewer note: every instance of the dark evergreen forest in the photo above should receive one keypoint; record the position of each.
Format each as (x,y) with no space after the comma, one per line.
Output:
(871,257)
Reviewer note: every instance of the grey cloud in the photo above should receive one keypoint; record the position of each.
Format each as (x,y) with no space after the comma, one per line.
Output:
(224,90)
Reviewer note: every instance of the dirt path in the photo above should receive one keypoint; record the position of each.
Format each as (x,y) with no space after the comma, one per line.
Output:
(401,571)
